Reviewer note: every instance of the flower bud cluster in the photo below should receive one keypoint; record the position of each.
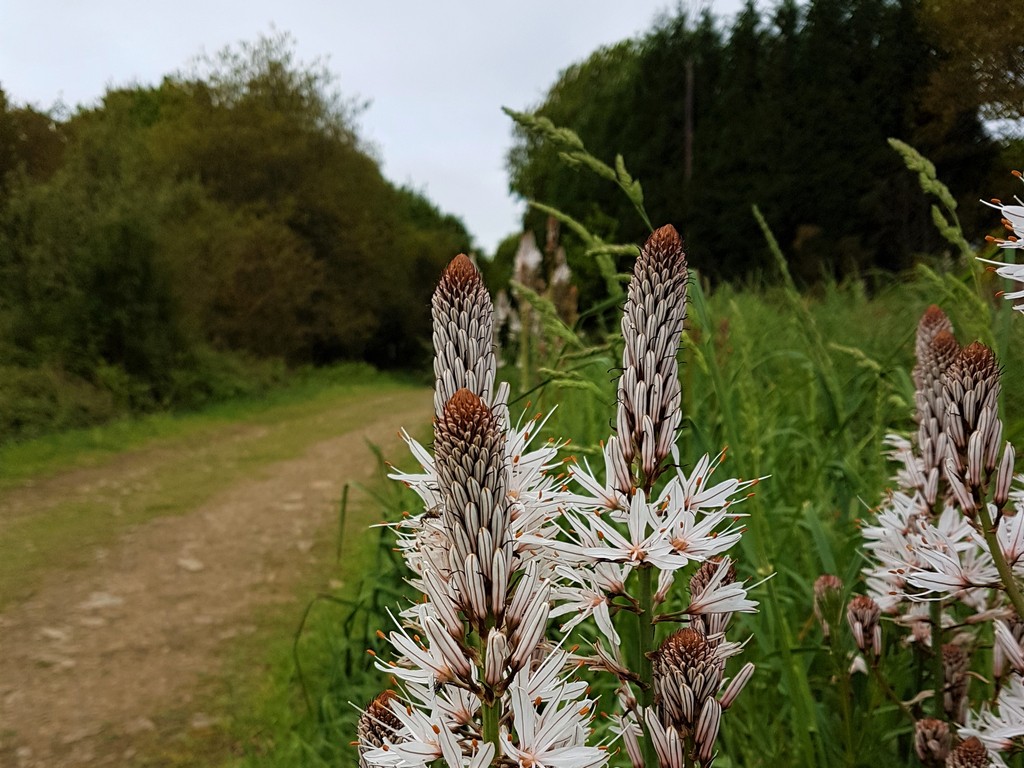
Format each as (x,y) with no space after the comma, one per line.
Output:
(652,323)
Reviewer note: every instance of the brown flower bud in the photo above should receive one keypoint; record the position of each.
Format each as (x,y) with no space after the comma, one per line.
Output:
(970,391)
(932,741)
(687,672)
(863,616)
(969,754)
(956,667)
(377,724)
(463,337)
(828,601)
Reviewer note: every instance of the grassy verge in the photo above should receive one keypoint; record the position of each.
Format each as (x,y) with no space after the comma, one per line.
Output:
(211,449)
(88,447)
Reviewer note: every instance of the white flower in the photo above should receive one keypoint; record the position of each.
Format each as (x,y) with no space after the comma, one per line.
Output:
(422,739)
(1013,221)
(1006,649)
(720,596)
(916,557)
(544,682)
(696,493)
(1010,535)
(585,593)
(554,738)
(947,569)
(442,660)
(613,493)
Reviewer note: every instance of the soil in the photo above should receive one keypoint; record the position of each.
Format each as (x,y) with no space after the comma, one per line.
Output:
(96,655)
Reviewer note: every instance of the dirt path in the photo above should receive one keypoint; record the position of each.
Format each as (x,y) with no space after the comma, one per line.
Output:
(95,654)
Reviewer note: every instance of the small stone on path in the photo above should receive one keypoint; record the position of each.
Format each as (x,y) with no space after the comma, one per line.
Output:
(101,600)
(190,564)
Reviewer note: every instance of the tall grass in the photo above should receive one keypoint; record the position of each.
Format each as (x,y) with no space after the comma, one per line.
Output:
(802,388)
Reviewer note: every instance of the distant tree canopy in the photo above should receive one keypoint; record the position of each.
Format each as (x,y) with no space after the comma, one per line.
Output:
(791,111)
(230,210)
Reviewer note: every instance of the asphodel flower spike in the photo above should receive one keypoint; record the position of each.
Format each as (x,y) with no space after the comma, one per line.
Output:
(463,337)
(649,394)
(479,681)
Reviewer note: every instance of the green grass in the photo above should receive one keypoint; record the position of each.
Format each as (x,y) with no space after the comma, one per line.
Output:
(803,388)
(194,456)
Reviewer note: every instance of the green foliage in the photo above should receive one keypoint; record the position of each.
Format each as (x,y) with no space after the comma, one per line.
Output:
(154,244)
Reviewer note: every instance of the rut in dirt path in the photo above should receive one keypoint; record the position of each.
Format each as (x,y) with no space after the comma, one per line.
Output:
(94,655)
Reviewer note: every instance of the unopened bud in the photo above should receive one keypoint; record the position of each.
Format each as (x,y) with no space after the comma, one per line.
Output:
(863,616)
(828,601)
(975,459)
(993,439)
(707,729)
(932,741)
(497,657)
(956,484)
(931,486)
(1004,478)
(954,427)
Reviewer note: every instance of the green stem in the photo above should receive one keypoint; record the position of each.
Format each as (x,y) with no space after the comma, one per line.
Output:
(644,645)
(491,716)
(490,712)
(938,674)
(890,694)
(1005,573)
(845,695)
(646,629)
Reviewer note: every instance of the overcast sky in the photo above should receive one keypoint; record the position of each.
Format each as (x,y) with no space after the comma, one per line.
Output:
(436,72)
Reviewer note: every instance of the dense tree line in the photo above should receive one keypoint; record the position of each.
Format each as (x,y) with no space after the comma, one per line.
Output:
(165,244)
(788,109)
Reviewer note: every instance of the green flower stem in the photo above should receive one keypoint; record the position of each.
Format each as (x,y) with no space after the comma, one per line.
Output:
(644,645)
(845,694)
(490,712)
(938,673)
(1005,573)
(890,694)
(491,716)
(646,620)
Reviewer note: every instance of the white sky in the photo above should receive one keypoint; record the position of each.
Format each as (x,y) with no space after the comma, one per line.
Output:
(436,72)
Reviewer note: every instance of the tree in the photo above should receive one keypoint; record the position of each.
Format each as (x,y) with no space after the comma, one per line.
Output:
(790,112)
(981,46)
